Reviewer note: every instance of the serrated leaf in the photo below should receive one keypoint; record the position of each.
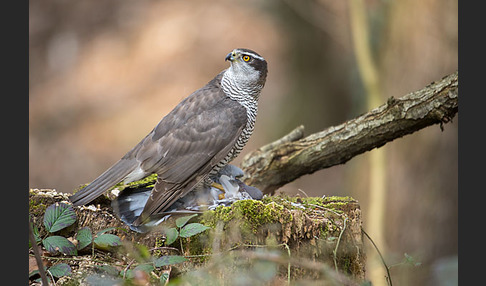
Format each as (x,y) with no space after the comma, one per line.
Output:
(129,274)
(55,244)
(59,216)
(169,260)
(180,222)
(171,235)
(84,238)
(192,229)
(59,270)
(145,268)
(105,240)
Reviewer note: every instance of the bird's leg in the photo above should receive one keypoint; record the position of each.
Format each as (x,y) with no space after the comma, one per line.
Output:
(219,187)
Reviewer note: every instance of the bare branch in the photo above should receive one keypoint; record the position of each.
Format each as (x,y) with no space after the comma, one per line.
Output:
(285,160)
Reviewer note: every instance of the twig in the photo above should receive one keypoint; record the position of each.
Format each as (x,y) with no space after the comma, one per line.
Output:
(288,265)
(52,278)
(334,252)
(37,254)
(326,209)
(389,280)
(165,248)
(126,268)
(302,191)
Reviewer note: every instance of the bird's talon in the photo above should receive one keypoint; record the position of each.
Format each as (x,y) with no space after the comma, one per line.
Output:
(218,186)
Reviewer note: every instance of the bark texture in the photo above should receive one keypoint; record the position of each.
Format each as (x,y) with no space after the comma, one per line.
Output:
(285,160)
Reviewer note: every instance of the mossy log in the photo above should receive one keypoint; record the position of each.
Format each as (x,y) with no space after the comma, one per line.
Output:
(308,230)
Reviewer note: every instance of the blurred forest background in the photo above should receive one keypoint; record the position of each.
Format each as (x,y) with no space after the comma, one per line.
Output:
(103,73)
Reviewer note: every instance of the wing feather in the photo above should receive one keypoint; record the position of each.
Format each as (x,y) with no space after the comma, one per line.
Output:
(194,149)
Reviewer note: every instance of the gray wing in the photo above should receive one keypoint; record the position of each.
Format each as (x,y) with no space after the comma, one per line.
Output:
(105,181)
(181,138)
(188,153)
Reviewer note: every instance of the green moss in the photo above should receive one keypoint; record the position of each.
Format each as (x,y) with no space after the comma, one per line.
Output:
(251,214)
(334,203)
(38,204)
(146,182)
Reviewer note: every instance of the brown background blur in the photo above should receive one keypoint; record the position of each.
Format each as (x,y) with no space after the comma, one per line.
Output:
(103,73)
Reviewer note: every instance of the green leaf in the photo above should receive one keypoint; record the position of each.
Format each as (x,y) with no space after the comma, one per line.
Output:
(39,280)
(192,229)
(105,240)
(180,222)
(411,261)
(171,235)
(59,270)
(84,238)
(129,274)
(163,278)
(59,216)
(55,244)
(33,272)
(145,268)
(169,260)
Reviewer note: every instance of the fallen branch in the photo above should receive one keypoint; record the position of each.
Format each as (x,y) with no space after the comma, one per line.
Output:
(286,159)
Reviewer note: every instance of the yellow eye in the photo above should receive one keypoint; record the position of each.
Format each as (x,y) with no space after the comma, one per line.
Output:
(246,58)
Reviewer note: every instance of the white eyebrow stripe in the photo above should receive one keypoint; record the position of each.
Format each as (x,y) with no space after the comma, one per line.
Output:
(253,55)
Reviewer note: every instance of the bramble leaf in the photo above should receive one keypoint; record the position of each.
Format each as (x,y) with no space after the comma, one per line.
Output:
(192,229)
(59,216)
(84,238)
(105,240)
(180,222)
(55,244)
(145,267)
(169,260)
(171,235)
(59,270)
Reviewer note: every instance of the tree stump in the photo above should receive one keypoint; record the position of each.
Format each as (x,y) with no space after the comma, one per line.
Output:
(308,238)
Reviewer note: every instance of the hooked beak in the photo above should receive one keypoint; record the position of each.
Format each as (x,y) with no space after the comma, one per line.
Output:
(230,57)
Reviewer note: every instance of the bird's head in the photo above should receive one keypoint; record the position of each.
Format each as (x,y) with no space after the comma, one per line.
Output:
(247,67)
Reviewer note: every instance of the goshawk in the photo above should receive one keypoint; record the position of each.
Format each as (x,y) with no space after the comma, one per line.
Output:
(194,141)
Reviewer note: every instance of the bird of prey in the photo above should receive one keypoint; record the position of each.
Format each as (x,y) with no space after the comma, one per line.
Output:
(194,141)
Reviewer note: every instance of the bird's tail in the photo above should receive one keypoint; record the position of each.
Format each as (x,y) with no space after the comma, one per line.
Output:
(129,205)
(105,181)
